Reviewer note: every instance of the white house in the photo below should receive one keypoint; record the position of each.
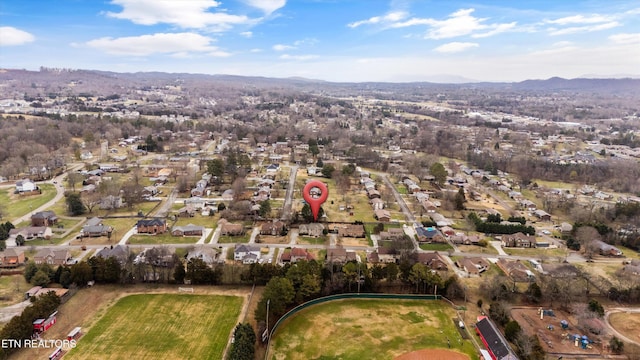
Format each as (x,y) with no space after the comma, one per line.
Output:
(25,185)
(247,254)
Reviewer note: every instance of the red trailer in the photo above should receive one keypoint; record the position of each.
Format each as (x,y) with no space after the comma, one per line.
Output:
(42,325)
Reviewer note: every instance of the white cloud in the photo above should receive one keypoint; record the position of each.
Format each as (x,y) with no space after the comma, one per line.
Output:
(500,28)
(459,23)
(178,44)
(580,19)
(247,34)
(10,36)
(282,47)
(582,29)
(255,50)
(298,57)
(391,17)
(268,6)
(192,14)
(625,38)
(454,47)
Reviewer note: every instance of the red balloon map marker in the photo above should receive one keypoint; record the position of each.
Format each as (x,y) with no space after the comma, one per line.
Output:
(315,202)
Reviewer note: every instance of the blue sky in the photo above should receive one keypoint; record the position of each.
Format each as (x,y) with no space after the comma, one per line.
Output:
(334,40)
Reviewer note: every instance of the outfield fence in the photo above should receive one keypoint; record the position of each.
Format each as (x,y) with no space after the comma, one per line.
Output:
(321,300)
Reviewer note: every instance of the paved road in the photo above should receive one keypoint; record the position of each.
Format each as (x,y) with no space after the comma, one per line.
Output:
(403,206)
(164,209)
(288,199)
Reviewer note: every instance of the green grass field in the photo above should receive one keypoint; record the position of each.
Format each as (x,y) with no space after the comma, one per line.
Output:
(367,329)
(16,205)
(162,326)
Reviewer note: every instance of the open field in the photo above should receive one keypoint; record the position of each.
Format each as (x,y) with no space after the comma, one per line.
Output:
(359,329)
(436,247)
(162,326)
(627,324)
(16,205)
(12,289)
(97,301)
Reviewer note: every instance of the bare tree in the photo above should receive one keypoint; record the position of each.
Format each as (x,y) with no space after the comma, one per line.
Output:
(586,235)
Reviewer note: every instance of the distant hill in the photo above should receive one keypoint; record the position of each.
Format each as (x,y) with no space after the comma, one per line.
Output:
(580,85)
(105,81)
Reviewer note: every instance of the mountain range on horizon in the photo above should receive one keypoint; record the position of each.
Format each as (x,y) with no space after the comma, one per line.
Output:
(589,82)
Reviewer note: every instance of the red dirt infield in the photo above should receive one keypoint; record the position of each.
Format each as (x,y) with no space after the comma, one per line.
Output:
(433,354)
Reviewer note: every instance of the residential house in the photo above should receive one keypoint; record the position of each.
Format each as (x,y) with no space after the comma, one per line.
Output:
(151,226)
(32,232)
(312,229)
(350,230)
(516,270)
(187,230)
(274,228)
(447,230)
(463,239)
(231,229)
(51,256)
(429,234)
(382,215)
(44,218)
(605,249)
(295,255)
(519,240)
(118,252)
(94,228)
(377,203)
(205,253)
(11,257)
(200,189)
(542,215)
(340,255)
(440,220)
(473,266)
(373,193)
(195,202)
(246,253)
(433,260)
(391,234)
(187,211)
(25,185)
(528,205)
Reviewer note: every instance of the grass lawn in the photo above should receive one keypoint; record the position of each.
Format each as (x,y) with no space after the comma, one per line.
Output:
(163,326)
(535,252)
(12,289)
(478,249)
(165,238)
(360,329)
(226,239)
(436,247)
(16,205)
(312,241)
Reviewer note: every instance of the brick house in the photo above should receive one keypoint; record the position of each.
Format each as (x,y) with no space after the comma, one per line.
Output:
(11,257)
(151,226)
(519,240)
(51,257)
(44,218)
